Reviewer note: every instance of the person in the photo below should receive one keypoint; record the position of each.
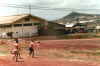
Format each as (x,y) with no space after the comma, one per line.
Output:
(37,44)
(16,39)
(31,49)
(15,51)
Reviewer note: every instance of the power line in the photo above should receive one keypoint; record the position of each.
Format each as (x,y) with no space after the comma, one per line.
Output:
(38,8)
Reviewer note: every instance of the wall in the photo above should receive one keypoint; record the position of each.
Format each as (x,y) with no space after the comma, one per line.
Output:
(26,31)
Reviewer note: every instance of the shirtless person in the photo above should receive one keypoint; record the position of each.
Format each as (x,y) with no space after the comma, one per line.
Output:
(31,49)
(37,47)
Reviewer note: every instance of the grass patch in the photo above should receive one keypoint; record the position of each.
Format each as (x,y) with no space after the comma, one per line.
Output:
(77,52)
(79,36)
(96,54)
(2,53)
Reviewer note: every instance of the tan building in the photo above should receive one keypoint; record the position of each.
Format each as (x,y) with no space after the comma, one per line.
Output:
(24,25)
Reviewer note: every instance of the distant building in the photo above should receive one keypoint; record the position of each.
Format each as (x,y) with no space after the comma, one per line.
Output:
(24,25)
(53,29)
(69,25)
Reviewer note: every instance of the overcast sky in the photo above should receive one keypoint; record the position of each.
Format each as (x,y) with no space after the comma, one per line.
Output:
(49,14)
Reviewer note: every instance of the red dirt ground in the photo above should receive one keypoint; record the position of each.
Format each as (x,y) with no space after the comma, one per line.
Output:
(74,43)
(45,44)
(5,61)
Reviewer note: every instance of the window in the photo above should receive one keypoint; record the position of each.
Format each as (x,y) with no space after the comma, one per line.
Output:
(29,24)
(36,23)
(7,25)
(17,25)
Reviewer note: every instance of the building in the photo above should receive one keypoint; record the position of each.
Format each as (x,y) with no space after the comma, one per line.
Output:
(53,29)
(24,25)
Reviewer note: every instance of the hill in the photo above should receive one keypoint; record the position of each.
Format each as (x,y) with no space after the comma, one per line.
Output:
(75,16)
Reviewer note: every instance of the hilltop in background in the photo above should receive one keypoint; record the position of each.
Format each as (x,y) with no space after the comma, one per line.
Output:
(76,16)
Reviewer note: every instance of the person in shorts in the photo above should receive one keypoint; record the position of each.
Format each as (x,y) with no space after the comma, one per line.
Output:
(31,49)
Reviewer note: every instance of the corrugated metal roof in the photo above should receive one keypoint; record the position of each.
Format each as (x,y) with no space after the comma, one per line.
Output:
(11,19)
(14,18)
(69,25)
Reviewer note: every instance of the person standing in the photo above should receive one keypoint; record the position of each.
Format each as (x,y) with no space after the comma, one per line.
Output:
(31,49)
(15,51)
(16,39)
(37,46)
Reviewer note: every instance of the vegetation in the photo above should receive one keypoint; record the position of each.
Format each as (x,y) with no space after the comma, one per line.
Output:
(79,36)
(10,34)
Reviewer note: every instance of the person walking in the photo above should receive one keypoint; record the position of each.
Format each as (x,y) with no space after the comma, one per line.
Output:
(31,49)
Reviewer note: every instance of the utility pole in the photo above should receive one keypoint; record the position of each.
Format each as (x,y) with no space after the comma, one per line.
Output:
(96,26)
(30,9)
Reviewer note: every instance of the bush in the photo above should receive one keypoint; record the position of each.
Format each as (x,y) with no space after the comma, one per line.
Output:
(10,34)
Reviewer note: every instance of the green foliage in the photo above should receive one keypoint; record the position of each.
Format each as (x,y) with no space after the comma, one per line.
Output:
(10,34)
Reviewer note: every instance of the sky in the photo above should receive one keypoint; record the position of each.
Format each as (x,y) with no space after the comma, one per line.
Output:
(49,4)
